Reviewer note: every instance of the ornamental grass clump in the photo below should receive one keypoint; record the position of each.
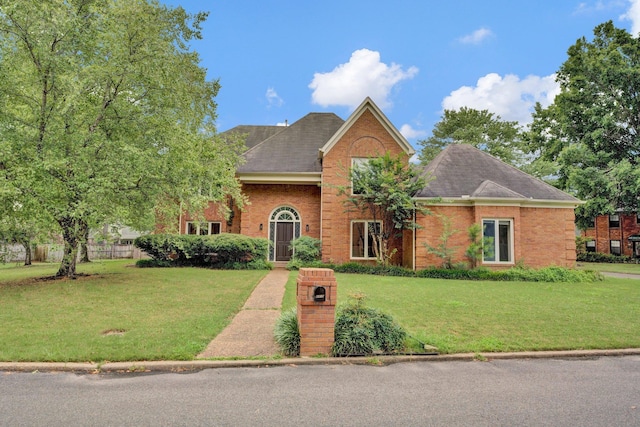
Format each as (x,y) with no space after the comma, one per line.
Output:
(287,334)
(363,331)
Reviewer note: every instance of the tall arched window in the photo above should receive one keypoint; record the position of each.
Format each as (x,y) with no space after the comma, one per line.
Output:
(284,226)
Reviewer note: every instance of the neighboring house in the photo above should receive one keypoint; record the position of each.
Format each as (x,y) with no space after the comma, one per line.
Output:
(291,175)
(616,234)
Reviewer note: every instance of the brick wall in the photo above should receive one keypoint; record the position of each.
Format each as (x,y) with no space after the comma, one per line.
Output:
(367,137)
(264,198)
(541,236)
(603,234)
(213,212)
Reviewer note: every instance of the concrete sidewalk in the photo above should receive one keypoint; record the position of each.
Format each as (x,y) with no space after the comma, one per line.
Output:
(250,333)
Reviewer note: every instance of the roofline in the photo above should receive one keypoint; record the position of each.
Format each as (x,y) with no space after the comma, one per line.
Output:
(368,104)
(487,201)
(304,178)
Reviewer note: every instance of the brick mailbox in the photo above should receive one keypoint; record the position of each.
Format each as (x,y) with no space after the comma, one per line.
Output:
(316,295)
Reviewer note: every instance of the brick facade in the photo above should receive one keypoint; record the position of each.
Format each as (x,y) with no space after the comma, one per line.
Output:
(542,231)
(366,138)
(603,234)
(541,236)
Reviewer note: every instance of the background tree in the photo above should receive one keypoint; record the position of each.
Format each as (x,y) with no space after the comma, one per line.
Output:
(383,189)
(106,115)
(22,225)
(592,128)
(480,128)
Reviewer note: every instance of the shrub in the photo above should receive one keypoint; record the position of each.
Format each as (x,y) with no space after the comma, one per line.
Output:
(231,251)
(604,258)
(361,330)
(167,247)
(306,249)
(287,334)
(152,263)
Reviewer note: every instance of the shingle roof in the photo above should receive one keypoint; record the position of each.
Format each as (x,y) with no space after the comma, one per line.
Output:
(463,170)
(295,148)
(254,134)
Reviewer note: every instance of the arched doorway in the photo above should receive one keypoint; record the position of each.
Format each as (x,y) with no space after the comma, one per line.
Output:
(284,226)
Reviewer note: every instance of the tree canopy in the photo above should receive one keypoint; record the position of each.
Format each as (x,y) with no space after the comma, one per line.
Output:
(106,115)
(480,128)
(592,128)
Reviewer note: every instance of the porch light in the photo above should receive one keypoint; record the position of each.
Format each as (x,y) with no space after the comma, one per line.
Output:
(260,226)
(307,228)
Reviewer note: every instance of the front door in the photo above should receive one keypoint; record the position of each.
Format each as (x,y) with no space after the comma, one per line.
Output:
(284,236)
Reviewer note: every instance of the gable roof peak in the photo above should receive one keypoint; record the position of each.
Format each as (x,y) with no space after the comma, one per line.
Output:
(368,105)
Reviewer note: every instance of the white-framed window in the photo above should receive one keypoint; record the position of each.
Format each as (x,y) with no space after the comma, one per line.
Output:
(591,246)
(497,241)
(362,242)
(615,247)
(203,228)
(357,163)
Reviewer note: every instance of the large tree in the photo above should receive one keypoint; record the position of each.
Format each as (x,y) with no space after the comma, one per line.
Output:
(383,188)
(106,115)
(592,128)
(480,128)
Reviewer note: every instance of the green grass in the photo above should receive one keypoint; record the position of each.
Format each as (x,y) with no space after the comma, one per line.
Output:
(610,267)
(460,317)
(169,313)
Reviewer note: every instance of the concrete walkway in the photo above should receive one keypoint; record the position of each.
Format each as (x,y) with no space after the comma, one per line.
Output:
(621,275)
(250,333)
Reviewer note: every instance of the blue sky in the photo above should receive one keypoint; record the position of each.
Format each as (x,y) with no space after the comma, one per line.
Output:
(279,60)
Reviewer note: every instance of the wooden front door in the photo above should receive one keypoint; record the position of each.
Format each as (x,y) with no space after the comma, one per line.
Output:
(284,236)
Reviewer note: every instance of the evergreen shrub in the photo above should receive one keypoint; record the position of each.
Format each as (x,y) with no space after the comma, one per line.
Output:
(228,251)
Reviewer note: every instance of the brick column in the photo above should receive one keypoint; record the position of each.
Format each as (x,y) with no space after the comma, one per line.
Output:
(316,318)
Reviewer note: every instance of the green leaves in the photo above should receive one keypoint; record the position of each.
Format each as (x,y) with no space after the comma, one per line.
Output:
(383,189)
(591,130)
(106,114)
(480,128)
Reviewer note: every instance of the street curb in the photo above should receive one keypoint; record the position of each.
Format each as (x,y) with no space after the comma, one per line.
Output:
(198,365)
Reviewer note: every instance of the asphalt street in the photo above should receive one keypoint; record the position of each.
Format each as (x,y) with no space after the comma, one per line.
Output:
(602,391)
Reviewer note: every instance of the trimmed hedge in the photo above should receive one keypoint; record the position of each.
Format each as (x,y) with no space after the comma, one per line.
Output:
(228,251)
(515,274)
(606,258)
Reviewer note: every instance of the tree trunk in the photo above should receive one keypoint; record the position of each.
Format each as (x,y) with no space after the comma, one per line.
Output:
(70,232)
(27,252)
(84,250)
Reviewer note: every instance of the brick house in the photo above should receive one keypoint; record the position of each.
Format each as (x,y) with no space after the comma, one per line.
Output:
(290,178)
(616,234)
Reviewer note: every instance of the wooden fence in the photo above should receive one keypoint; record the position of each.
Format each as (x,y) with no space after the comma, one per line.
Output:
(53,253)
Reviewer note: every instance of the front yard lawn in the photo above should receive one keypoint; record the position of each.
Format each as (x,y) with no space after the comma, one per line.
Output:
(118,313)
(459,317)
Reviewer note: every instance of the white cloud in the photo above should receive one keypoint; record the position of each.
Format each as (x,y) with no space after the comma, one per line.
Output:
(273,100)
(633,15)
(364,75)
(477,37)
(509,97)
(410,133)
(596,7)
